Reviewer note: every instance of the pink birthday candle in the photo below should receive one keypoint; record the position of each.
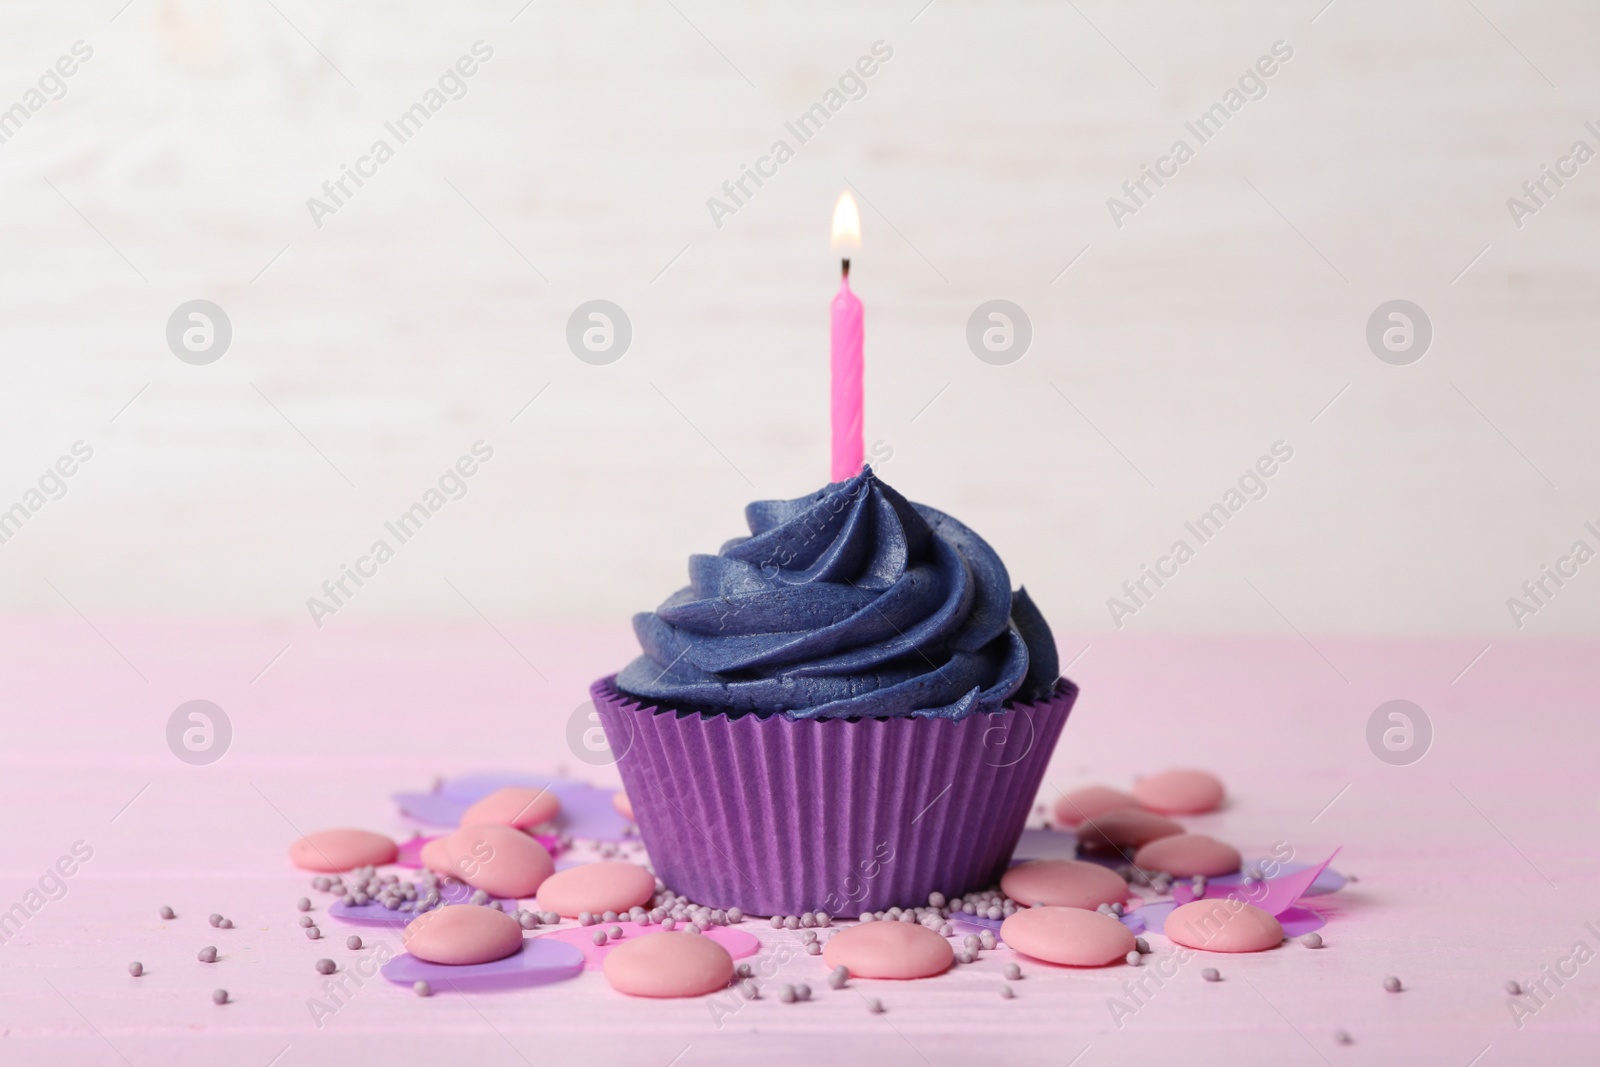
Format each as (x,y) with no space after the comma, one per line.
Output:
(846,350)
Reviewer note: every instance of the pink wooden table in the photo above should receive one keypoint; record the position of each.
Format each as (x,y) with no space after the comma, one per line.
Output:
(1476,864)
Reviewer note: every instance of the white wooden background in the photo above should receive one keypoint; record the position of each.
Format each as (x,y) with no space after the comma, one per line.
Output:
(1226,315)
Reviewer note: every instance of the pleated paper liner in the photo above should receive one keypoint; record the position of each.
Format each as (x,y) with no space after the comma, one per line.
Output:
(778,817)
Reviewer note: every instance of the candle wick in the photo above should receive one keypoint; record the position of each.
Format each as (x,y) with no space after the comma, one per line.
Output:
(844,267)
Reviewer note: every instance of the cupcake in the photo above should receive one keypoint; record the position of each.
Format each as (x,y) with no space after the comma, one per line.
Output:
(847,710)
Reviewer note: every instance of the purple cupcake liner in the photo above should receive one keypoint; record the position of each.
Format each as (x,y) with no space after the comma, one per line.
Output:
(780,817)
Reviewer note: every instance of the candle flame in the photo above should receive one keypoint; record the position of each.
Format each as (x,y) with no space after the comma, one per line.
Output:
(846,225)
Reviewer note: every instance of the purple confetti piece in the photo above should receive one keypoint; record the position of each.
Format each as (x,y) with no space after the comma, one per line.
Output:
(1298,922)
(978,922)
(1295,921)
(540,961)
(374,914)
(1273,895)
(738,943)
(1329,881)
(432,809)
(1046,845)
(410,854)
(1154,916)
(587,811)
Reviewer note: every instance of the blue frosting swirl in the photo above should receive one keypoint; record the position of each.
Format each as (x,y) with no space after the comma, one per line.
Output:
(851,602)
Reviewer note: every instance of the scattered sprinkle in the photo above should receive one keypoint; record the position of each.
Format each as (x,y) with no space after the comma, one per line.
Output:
(214,919)
(136,969)
(802,992)
(303,904)
(306,920)
(313,933)
(219,996)
(325,966)
(599,937)
(786,994)
(1142,945)
(1013,972)
(1133,958)
(421,988)
(1312,941)
(1211,974)
(614,932)
(874,1005)
(352,942)
(838,977)
(1392,984)
(208,954)
(1006,993)
(168,913)
(1343,1037)
(750,989)
(1513,987)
